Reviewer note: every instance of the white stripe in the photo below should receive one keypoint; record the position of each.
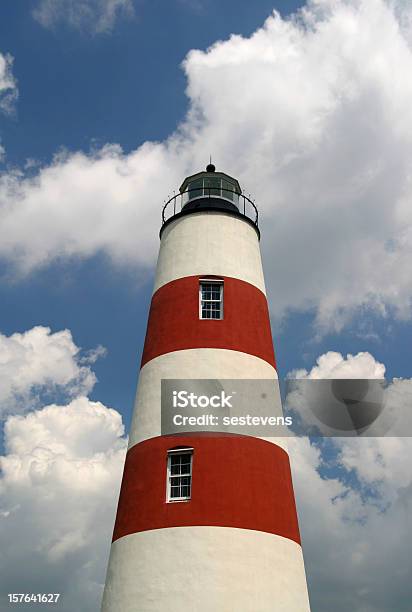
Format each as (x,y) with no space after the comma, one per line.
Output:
(209,243)
(191,363)
(205,569)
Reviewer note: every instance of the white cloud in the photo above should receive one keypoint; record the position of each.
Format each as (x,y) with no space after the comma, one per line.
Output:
(36,363)
(82,205)
(96,16)
(395,397)
(8,87)
(60,473)
(356,541)
(59,483)
(334,365)
(355,499)
(60,479)
(313,114)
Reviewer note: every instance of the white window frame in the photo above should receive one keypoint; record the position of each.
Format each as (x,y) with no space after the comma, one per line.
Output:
(170,477)
(210,281)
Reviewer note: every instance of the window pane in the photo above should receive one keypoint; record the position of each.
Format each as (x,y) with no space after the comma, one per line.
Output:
(211,291)
(212,186)
(227,190)
(206,291)
(195,189)
(211,310)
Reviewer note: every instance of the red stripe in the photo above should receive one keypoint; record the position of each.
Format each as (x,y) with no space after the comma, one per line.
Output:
(174,322)
(238,481)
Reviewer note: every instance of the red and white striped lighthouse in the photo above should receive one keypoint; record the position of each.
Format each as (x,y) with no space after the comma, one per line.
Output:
(205,522)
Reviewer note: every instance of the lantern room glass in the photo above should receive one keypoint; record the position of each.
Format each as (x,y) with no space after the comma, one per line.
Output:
(212,186)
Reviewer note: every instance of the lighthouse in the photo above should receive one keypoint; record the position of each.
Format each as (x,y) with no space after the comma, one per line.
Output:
(206,521)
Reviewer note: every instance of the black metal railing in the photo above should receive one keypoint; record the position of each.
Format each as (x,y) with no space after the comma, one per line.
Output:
(244,205)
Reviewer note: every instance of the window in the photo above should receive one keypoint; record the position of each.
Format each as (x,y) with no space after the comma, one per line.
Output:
(195,189)
(228,190)
(179,474)
(211,299)
(212,186)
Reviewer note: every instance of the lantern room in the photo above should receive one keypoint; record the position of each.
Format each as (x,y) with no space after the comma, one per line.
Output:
(210,191)
(210,184)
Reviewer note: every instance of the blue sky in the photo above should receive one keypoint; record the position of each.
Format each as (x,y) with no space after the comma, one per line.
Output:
(124,87)
(79,91)
(312,114)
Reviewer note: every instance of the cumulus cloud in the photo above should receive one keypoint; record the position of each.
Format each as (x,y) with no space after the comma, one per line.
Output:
(355,536)
(37,363)
(317,113)
(8,87)
(335,365)
(394,397)
(96,16)
(82,205)
(60,471)
(59,484)
(355,499)
(313,113)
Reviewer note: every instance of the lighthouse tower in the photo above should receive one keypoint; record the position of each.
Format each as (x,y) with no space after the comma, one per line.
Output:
(206,522)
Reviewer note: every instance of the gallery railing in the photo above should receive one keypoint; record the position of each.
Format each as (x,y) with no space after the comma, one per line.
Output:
(244,205)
